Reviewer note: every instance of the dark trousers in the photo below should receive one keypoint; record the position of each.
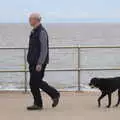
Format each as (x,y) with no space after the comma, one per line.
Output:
(37,83)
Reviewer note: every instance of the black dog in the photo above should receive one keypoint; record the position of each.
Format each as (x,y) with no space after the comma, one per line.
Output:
(107,87)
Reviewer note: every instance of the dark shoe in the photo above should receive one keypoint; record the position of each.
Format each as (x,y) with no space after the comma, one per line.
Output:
(55,101)
(34,107)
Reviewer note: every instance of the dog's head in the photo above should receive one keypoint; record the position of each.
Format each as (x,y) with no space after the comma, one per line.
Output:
(93,83)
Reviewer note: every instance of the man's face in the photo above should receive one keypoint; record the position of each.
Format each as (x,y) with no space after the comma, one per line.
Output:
(33,21)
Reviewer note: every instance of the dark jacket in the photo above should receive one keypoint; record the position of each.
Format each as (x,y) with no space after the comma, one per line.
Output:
(38,52)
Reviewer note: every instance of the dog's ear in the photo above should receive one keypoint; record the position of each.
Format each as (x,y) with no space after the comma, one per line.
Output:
(91,80)
(95,78)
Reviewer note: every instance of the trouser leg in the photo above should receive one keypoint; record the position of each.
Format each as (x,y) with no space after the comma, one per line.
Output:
(51,91)
(34,86)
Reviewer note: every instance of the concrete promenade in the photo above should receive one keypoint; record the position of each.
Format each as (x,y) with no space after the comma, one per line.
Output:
(73,106)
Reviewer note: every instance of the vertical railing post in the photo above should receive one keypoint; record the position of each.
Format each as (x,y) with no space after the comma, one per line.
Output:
(25,70)
(79,88)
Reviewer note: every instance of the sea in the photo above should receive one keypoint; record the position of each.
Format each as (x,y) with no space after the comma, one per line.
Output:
(94,62)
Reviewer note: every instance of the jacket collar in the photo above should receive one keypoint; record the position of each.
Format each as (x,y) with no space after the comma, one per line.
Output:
(38,27)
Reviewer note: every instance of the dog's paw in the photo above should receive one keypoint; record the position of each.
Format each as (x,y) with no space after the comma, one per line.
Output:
(115,106)
(99,106)
(108,106)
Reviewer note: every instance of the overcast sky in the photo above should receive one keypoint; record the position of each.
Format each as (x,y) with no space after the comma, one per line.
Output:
(61,10)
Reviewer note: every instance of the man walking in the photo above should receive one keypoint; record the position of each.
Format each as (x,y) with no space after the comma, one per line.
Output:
(38,58)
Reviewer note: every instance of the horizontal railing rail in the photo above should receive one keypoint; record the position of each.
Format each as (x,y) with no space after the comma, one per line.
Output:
(64,47)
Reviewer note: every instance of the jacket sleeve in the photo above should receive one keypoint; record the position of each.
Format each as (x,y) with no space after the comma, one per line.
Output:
(43,47)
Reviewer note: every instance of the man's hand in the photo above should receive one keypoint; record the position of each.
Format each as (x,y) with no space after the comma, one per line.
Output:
(38,68)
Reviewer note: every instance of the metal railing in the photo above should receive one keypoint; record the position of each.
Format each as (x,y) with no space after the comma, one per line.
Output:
(78,69)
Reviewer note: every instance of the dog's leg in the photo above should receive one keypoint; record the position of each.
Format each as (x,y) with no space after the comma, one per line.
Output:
(109,100)
(99,99)
(118,99)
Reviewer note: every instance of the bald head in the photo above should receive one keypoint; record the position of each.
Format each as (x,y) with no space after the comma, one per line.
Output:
(35,16)
(34,19)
